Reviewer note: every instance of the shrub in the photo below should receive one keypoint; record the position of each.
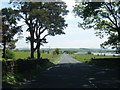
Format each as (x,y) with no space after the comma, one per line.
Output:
(57,51)
(9,54)
(89,52)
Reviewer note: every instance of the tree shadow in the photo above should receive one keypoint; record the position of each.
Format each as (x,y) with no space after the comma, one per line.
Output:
(22,69)
(75,75)
(113,63)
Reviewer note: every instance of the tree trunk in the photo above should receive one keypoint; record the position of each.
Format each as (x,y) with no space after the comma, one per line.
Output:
(32,38)
(4,49)
(118,33)
(32,44)
(118,47)
(38,51)
(32,49)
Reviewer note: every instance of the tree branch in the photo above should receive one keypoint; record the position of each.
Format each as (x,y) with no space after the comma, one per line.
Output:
(45,36)
(43,30)
(110,26)
(110,10)
(111,20)
(37,32)
(118,16)
(39,41)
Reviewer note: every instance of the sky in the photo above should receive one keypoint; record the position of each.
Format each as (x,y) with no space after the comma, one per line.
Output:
(75,37)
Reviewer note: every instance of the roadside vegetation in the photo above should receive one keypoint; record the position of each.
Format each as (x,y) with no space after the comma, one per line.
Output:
(21,64)
(104,61)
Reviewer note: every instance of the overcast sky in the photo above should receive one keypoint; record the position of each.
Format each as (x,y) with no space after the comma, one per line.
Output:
(75,37)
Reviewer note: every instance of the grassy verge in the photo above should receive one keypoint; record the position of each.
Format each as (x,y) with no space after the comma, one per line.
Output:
(19,78)
(104,61)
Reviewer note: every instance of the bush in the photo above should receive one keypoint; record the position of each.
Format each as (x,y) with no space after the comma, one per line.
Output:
(9,54)
(89,52)
(57,51)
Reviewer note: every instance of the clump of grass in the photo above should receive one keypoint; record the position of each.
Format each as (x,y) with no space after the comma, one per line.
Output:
(55,59)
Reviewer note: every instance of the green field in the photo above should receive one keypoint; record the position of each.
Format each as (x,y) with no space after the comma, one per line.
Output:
(104,61)
(26,54)
(84,58)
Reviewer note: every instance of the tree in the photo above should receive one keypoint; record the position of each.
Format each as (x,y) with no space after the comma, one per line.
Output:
(42,19)
(9,28)
(89,52)
(11,44)
(57,51)
(104,17)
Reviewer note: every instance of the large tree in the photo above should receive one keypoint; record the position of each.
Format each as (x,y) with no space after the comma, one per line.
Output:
(9,28)
(104,17)
(42,19)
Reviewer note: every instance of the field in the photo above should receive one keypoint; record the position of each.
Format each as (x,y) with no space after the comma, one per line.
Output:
(85,58)
(104,61)
(26,54)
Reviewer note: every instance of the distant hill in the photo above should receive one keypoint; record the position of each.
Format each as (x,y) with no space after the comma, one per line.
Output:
(76,49)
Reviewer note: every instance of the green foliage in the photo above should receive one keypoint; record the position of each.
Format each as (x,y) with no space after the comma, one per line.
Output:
(18,78)
(104,17)
(57,51)
(89,52)
(41,18)
(9,78)
(9,28)
(9,54)
(42,51)
(11,44)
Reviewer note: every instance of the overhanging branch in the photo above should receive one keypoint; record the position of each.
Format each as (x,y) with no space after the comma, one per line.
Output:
(110,10)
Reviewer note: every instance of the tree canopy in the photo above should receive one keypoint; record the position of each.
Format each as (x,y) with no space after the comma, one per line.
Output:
(42,19)
(104,17)
(9,28)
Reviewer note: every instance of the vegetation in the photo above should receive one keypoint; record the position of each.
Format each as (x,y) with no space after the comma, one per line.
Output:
(9,54)
(47,18)
(56,52)
(25,65)
(89,52)
(105,61)
(104,17)
(42,19)
(9,28)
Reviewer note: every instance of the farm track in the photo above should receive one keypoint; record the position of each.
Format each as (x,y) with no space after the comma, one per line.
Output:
(70,73)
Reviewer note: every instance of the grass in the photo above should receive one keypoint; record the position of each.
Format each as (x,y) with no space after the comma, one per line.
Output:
(21,54)
(84,58)
(0,55)
(26,54)
(16,79)
(104,61)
